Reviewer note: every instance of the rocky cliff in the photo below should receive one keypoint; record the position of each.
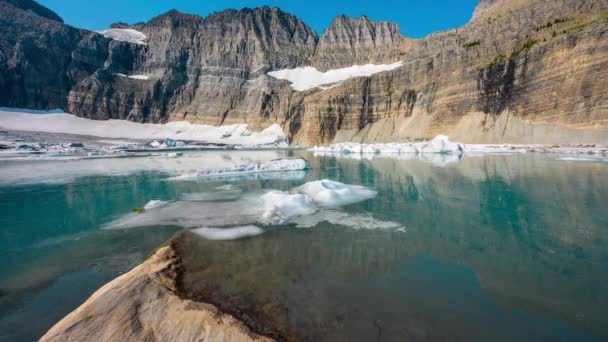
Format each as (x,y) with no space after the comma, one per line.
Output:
(527,71)
(349,41)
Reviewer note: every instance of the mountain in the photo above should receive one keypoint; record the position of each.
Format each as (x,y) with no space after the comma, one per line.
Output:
(521,71)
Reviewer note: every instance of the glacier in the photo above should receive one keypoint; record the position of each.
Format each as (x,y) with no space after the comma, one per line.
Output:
(53,122)
(306,78)
(125,35)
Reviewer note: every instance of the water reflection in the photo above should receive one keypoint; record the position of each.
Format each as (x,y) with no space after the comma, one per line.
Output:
(530,231)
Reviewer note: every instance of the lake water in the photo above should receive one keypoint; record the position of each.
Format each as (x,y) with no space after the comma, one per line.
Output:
(497,247)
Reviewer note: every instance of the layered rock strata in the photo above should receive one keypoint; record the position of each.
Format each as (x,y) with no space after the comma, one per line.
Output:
(522,71)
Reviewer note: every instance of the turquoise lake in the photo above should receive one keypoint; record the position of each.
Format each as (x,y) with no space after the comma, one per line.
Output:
(495,247)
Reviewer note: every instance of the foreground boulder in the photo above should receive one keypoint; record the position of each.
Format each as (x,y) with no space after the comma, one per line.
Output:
(142,305)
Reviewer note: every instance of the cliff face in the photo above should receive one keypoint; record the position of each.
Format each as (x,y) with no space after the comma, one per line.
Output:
(349,41)
(533,72)
(41,59)
(528,71)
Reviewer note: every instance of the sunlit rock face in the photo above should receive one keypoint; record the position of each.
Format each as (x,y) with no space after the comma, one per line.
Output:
(521,71)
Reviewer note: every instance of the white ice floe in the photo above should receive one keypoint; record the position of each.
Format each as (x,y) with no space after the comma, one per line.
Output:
(583,160)
(364,221)
(268,208)
(178,130)
(220,195)
(330,194)
(439,151)
(280,207)
(279,165)
(309,77)
(18,168)
(135,77)
(125,35)
(228,233)
(154,204)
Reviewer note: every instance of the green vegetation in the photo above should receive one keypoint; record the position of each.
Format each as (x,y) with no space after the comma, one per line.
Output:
(471,44)
(561,20)
(527,46)
(500,59)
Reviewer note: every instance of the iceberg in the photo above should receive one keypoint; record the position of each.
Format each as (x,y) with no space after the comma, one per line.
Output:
(309,77)
(330,194)
(281,206)
(228,233)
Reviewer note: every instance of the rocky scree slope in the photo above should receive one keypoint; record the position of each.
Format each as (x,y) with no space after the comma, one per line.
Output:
(528,71)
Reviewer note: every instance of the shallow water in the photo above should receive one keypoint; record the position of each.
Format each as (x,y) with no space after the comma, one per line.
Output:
(483,248)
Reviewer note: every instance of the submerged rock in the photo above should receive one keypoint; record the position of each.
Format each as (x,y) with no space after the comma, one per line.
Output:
(144,305)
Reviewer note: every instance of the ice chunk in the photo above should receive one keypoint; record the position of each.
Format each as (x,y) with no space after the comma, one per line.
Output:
(125,35)
(441,144)
(308,77)
(228,233)
(281,206)
(278,165)
(154,204)
(330,194)
(170,142)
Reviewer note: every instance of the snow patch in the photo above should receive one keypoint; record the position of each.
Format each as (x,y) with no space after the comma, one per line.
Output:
(177,130)
(125,35)
(309,77)
(228,233)
(135,77)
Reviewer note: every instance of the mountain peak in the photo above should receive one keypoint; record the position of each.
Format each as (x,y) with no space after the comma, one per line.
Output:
(35,8)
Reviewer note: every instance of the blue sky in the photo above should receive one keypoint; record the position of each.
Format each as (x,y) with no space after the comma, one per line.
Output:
(416,18)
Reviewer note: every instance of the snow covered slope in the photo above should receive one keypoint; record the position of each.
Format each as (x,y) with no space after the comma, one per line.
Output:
(125,35)
(308,77)
(178,130)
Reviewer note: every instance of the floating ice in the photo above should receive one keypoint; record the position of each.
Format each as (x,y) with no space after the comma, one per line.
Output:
(330,194)
(278,165)
(222,195)
(125,35)
(266,208)
(354,221)
(281,206)
(154,204)
(308,77)
(583,160)
(177,130)
(228,233)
